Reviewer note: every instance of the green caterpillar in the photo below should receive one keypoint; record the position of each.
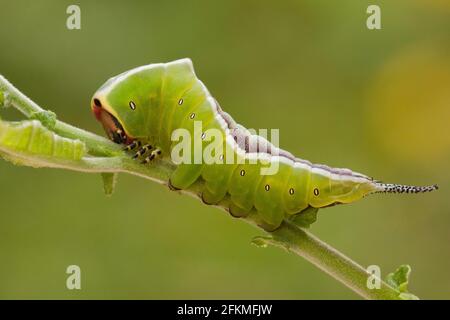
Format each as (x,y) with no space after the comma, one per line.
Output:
(143,107)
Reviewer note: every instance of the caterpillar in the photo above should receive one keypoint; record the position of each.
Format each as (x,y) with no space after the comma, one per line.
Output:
(31,137)
(143,107)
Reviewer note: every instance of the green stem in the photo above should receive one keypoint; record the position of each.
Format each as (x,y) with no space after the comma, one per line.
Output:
(97,145)
(331,261)
(108,157)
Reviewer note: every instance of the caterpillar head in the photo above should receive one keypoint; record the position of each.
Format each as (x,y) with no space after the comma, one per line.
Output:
(119,105)
(125,104)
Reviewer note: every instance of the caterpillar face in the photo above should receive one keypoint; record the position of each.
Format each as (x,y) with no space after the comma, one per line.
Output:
(122,105)
(112,126)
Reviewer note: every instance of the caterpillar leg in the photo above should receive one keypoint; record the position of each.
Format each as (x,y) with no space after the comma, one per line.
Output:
(142,151)
(132,146)
(155,153)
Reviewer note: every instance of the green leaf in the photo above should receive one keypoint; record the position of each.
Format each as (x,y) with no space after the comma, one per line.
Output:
(109,182)
(261,241)
(399,280)
(305,218)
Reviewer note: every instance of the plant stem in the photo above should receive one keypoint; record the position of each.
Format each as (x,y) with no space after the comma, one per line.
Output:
(331,261)
(97,145)
(108,157)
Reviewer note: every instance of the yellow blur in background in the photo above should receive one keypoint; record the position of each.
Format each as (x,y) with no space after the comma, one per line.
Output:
(375,101)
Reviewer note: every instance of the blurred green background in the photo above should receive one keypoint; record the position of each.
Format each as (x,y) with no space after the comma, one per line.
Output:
(376,101)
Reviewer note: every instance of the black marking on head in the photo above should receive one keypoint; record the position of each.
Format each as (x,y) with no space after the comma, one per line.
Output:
(192,115)
(117,137)
(97,103)
(122,135)
(316,191)
(267,187)
(242,173)
(180,102)
(116,122)
(291,191)
(132,105)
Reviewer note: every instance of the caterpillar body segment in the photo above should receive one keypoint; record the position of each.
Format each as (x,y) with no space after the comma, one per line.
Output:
(162,105)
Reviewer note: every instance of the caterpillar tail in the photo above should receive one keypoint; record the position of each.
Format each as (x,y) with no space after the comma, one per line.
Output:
(400,188)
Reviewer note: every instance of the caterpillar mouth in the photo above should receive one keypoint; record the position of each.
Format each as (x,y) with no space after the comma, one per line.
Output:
(112,126)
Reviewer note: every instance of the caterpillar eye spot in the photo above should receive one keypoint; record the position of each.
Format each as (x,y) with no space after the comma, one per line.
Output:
(192,115)
(132,105)
(267,187)
(203,135)
(97,103)
(242,173)
(316,191)
(221,157)
(291,191)
(180,102)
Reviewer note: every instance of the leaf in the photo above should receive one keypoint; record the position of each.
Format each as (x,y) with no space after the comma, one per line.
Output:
(399,280)
(109,182)
(305,218)
(261,241)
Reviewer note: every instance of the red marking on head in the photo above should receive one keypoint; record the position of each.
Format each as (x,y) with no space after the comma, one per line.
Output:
(96,107)
(97,111)
(112,127)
